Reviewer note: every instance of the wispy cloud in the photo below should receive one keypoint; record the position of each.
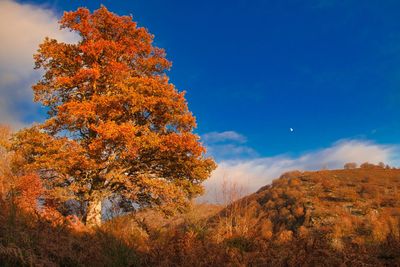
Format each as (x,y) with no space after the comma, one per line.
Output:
(227,136)
(231,151)
(227,145)
(252,174)
(22,28)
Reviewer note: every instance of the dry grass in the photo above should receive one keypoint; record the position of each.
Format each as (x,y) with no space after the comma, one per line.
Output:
(326,218)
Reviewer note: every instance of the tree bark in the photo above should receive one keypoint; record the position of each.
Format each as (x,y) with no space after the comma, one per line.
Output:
(93,213)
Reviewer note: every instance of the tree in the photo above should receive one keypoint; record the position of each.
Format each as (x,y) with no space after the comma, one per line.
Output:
(350,165)
(367,165)
(116,125)
(17,188)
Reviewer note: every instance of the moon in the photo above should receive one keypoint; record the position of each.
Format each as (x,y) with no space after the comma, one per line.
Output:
(291,129)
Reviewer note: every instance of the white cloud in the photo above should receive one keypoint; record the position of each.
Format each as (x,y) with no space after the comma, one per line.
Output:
(22,28)
(227,145)
(252,174)
(231,151)
(227,136)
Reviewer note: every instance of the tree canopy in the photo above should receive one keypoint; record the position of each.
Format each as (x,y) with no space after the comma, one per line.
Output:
(116,126)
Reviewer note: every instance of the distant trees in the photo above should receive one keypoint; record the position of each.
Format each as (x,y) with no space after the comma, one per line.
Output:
(367,165)
(116,126)
(350,165)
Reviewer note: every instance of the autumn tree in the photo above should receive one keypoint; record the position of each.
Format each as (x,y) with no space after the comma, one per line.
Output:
(17,188)
(116,125)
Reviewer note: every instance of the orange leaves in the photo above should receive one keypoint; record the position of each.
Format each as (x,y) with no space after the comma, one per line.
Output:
(36,150)
(112,136)
(75,114)
(77,21)
(28,189)
(114,118)
(156,191)
(19,187)
(91,74)
(183,143)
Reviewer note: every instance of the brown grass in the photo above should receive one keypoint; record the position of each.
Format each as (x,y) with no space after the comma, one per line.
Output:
(326,218)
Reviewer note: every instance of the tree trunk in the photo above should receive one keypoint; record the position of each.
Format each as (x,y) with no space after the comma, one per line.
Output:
(93,213)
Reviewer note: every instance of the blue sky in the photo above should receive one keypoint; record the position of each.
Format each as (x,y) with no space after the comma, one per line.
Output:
(328,69)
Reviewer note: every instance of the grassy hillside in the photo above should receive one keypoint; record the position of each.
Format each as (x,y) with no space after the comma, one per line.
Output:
(361,205)
(323,218)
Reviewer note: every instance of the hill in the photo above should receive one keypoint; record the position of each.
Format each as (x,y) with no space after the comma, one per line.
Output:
(324,218)
(365,202)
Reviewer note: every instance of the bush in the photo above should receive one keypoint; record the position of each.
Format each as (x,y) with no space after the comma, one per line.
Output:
(350,166)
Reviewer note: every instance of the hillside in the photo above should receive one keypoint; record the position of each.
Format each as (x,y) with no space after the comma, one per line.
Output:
(323,218)
(353,199)
(351,216)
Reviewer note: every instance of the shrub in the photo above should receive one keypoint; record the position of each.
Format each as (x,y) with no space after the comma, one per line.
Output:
(350,165)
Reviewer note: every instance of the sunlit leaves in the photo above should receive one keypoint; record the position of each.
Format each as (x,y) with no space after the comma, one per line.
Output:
(116,125)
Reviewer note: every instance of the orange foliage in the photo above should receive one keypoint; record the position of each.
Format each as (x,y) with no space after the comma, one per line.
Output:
(23,190)
(116,125)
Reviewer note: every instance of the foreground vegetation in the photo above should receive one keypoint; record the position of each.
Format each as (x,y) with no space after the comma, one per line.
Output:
(323,218)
